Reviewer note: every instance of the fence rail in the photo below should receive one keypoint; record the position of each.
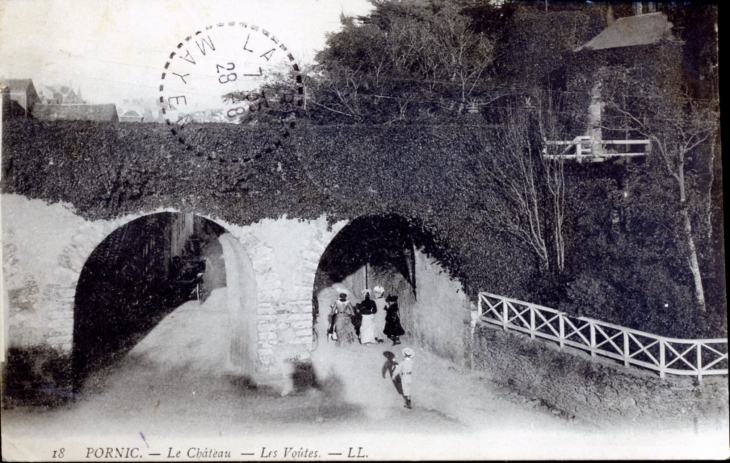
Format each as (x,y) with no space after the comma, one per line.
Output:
(696,357)
(586,148)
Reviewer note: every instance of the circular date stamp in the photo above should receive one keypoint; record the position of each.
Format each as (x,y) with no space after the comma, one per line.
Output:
(230,73)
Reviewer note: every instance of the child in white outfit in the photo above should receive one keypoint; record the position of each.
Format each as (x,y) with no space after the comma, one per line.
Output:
(405,370)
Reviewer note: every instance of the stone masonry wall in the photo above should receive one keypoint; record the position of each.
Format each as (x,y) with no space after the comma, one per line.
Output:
(44,250)
(597,391)
(441,316)
(46,246)
(286,256)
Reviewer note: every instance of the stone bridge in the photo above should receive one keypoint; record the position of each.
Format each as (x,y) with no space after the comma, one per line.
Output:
(271,269)
(74,194)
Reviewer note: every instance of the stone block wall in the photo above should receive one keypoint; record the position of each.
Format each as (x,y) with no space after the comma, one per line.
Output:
(45,247)
(37,271)
(43,254)
(596,391)
(285,255)
(441,316)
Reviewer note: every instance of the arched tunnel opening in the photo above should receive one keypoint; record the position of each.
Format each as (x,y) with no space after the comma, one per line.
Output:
(138,275)
(403,257)
(368,252)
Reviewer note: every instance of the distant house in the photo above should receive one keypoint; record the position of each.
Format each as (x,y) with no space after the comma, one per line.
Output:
(10,109)
(644,42)
(59,95)
(150,116)
(150,110)
(77,112)
(131,116)
(215,115)
(207,115)
(23,93)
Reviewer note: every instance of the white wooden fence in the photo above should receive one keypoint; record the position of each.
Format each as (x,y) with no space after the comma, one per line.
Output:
(696,357)
(585,148)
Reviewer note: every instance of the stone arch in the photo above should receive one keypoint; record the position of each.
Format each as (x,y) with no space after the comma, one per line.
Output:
(240,278)
(369,251)
(311,256)
(435,311)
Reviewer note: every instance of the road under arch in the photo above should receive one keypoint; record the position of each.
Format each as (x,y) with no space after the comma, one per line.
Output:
(147,268)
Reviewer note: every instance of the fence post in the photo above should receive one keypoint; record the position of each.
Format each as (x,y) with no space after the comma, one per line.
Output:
(532,322)
(626,349)
(593,339)
(561,324)
(505,313)
(699,361)
(662,359)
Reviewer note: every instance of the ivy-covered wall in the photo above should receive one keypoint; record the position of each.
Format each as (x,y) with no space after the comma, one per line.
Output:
(423,173)
(110,170)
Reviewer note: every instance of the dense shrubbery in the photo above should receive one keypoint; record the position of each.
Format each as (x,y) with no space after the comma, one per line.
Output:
(432,83)
(36,376)
(621,268)
(628,263)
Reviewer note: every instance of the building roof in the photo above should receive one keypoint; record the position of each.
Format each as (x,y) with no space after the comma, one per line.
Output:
(131,113)
(77,112)
(643,29)
(17,85)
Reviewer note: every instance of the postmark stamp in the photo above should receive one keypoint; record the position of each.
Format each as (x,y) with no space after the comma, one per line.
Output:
(230,72)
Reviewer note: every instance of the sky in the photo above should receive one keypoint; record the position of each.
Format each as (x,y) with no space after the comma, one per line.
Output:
(114,50)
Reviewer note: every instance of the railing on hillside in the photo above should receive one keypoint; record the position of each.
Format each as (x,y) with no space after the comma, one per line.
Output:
(585,148)
(697,357)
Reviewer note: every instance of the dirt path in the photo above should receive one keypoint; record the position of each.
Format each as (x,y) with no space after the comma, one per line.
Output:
(443,396)
(178,373)
(174,383)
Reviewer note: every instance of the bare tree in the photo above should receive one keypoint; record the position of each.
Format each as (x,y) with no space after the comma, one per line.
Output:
(554,170)
(438,50)
(520,179)
(677,125)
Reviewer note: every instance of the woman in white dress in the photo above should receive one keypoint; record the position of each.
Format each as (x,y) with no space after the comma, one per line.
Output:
(367,329)
(378,292)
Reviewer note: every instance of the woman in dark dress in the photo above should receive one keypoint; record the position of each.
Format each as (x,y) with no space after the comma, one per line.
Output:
(393,328)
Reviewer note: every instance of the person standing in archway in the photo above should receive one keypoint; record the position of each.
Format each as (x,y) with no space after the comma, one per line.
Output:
(379,319)
(393,328)
(367,327)
(341,313)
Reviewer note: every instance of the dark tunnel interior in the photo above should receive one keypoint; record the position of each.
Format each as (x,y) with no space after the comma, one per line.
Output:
(383,245)
(139,274)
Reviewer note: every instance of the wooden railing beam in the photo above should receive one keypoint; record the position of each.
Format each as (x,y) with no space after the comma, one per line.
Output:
(699,361)
(685,364)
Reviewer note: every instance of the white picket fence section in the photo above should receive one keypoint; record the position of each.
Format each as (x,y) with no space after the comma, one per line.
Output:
(585,148)
(696,357)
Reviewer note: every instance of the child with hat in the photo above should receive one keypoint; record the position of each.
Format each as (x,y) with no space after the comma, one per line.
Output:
(405,370)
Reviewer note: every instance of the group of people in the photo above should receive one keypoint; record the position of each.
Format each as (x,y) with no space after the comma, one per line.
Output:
(369,321)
